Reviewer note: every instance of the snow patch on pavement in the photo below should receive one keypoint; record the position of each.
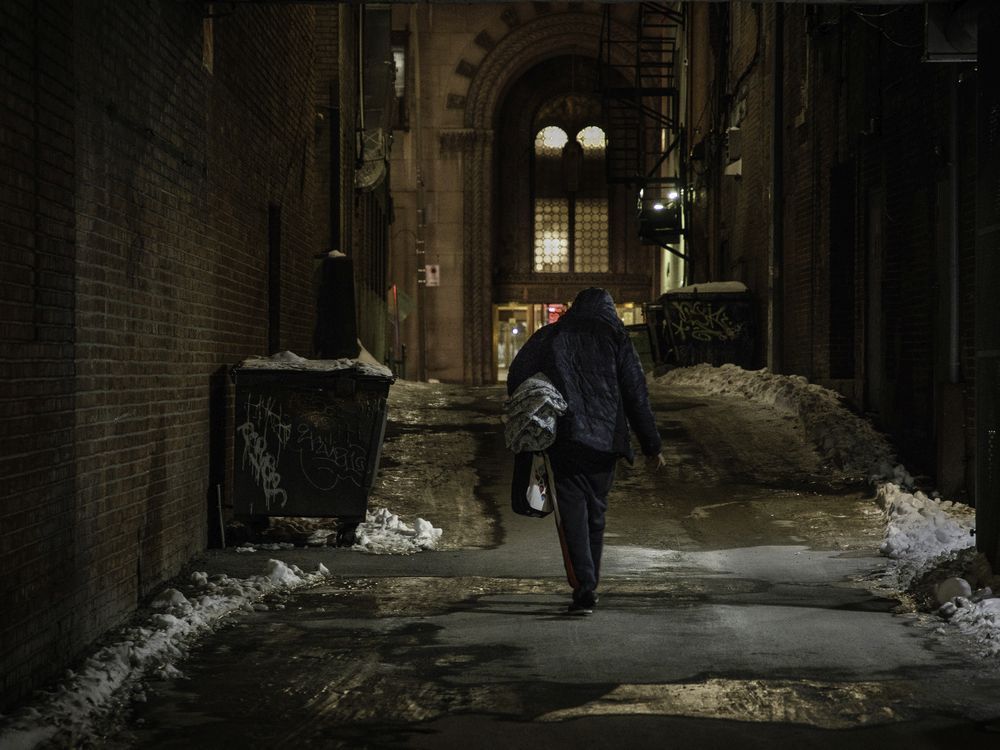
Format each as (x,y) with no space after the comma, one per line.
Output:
(383,533)
(65,715)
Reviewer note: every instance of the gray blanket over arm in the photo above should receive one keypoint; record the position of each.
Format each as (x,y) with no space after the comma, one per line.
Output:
(531,415)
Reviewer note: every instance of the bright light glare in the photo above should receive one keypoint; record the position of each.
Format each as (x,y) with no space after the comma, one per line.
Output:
(551,138)
(515,330)
(657,206)
(591,137)
(673,195)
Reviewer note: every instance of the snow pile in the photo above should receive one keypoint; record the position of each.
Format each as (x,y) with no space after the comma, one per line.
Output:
(383,533)
(978,616)
(920,529)
(64,715)
(928,538)
(365,364)
(712,287)
(844,439)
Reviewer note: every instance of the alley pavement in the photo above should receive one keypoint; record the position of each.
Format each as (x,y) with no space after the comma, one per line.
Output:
(741,606)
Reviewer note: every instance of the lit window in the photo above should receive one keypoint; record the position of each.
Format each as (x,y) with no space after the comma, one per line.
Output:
(550,141)
(399,61)
(592,139)
(591,235)
(551,235)
(571,203)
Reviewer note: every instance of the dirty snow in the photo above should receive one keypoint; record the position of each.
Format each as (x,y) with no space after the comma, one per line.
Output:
(712,287)
(845,440)
(922,534)
(383,533)
(364,364)
(66,714)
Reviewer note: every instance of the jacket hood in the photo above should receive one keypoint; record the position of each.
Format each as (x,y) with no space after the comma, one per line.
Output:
(595,304)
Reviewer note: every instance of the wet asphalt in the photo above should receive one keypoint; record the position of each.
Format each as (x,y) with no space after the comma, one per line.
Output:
(742,605)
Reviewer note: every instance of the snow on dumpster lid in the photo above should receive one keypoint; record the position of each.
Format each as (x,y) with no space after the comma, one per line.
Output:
(712,287)
(365,364)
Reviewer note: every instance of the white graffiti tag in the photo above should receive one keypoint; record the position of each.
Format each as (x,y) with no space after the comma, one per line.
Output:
(267,412)
(328,458)
(262,464)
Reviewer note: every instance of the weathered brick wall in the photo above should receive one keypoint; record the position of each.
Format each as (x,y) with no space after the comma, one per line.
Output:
(865,135)
(37,400)
(176,168)
(800,199)
(746,199)
(907,155)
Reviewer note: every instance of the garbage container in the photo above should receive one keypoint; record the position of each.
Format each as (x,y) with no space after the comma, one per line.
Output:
(308,436)
(709,323)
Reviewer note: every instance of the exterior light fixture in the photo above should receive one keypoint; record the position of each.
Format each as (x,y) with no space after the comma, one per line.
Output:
(660,216)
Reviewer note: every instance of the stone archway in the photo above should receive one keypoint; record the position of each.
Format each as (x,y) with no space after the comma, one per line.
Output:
(523,48)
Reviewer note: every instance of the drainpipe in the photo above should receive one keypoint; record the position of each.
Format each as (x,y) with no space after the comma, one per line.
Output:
(775,290)
(421,196)
(953,241)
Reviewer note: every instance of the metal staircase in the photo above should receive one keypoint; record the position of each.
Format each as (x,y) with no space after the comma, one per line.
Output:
(640,80)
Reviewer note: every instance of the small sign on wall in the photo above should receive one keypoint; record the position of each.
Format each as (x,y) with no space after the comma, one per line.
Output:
(432,275)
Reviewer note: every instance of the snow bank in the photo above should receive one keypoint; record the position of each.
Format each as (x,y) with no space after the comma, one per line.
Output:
(382,533)
(926,537)
(65,714)
(844,439)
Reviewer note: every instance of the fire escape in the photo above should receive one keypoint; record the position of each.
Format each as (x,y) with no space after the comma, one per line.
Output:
(640,86)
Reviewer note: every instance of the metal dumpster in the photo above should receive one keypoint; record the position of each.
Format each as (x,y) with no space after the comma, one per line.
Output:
(308,436)
(709,323)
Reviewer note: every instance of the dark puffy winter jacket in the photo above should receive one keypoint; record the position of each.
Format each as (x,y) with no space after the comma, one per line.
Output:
(588,356)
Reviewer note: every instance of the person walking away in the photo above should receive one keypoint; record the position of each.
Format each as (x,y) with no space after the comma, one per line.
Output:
(589,358)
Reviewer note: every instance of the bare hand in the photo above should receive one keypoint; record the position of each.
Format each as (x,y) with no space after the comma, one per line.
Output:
(655,463)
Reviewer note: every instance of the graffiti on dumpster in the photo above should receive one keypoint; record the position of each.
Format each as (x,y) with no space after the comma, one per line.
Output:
(298,445)
(328,457)
(703,321)
(265,418)
(329,440)
(263,465)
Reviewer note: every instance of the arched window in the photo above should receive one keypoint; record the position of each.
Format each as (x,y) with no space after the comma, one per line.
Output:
(571,201)
(551,206)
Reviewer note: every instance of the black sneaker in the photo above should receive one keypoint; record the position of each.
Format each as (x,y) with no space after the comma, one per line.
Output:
(583,606)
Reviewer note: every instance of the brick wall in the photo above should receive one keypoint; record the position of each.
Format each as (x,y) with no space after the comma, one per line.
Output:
(746,199)
(166,230)
(37,302)
(865,140)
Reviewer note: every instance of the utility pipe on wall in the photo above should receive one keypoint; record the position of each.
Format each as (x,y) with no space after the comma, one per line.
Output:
(421,196)
(775,292)
(953,239)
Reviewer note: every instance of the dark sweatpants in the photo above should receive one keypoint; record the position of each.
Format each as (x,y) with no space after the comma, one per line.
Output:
(583,479)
